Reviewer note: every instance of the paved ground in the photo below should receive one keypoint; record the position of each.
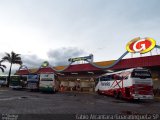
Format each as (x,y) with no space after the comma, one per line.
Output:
(25,102)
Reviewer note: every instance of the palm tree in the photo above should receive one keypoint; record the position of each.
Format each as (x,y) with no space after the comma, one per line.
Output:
(12,58)
(2,67)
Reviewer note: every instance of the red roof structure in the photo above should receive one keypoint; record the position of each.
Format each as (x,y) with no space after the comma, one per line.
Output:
(45,70)
(22,72)
(81,67)
(147,61)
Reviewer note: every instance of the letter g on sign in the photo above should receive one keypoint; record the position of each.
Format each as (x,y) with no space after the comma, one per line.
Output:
(142,46)
(139,45)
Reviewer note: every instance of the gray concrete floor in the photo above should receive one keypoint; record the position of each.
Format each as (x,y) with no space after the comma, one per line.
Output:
(25,102)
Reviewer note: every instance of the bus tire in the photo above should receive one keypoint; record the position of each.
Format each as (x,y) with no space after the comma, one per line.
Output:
(98,91)
(115,95)
(120,96)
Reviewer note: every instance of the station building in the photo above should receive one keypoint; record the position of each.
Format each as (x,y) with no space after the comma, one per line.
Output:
(85,74)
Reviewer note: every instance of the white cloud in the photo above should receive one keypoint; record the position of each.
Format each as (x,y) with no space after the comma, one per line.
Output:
(32,61)
(99,27)
(60,56)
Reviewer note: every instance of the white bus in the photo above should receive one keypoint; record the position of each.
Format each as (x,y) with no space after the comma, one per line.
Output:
(48,83)
(33,82)
(133,83)
(18,81)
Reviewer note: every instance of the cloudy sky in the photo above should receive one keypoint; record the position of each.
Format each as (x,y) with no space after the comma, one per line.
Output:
(56,30)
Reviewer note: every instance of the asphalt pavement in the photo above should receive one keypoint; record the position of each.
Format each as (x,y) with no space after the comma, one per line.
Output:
(24,103)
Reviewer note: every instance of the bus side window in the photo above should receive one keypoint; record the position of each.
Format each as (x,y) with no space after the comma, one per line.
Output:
(109,77)
(105,78)
(112,77)
(120,77)
(102,78)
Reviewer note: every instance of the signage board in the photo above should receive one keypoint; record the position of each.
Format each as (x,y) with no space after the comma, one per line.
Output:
(45,64)
(141,45)
(81,58)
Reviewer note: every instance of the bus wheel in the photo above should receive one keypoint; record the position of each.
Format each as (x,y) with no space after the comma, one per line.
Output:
(99,92)
(116,95)
(120,96)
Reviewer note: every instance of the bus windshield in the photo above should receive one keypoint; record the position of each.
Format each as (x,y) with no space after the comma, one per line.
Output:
(15,78)
(46,79)
(141,74)
(105,78)
(33,77)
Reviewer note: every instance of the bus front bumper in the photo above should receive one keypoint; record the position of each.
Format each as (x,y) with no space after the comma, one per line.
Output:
(32,86)
(15,87)
(46,89)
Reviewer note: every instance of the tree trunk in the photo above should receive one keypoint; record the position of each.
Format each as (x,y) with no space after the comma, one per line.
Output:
(9,75)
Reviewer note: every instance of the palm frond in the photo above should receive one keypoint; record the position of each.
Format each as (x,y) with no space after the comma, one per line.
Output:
(18,58)
(1,61)
(6,58)
(7,54)
(3,66)
(2,69)
(18,62)
(17,55)
(12,58)
(13,53)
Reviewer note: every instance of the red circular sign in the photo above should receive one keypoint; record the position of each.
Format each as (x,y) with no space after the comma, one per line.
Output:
(138,45)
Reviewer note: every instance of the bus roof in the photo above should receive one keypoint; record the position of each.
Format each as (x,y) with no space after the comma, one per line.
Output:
(15,75)
(130,70)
